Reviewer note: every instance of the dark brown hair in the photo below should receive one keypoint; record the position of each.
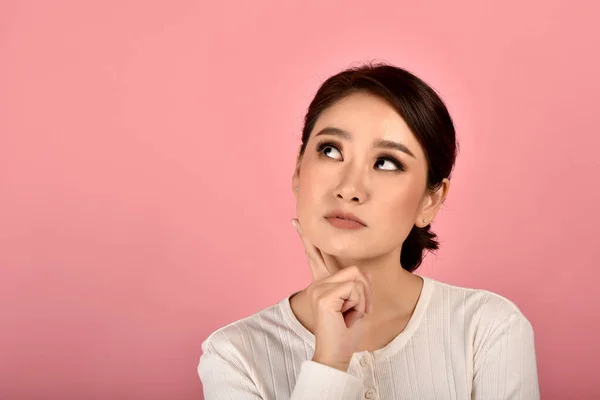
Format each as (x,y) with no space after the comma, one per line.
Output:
(424,112)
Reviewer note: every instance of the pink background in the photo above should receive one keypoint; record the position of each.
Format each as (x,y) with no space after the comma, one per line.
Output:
(146,152)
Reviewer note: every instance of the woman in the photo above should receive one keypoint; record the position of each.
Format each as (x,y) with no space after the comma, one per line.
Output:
(373,169)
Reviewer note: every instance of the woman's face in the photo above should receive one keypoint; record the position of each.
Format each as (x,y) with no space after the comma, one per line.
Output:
(348,167)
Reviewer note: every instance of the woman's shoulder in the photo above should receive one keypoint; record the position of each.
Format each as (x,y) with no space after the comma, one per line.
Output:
(479,306)
(235,338)
(489,325)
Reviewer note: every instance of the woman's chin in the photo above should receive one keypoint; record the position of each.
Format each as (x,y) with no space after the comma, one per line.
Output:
(342,248)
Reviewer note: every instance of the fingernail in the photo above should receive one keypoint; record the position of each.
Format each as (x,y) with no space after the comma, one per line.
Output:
(294,224)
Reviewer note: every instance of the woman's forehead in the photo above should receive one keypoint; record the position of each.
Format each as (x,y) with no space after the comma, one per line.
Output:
(367,118)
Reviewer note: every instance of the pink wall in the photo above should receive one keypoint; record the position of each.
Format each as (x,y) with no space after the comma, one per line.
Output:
(146,152)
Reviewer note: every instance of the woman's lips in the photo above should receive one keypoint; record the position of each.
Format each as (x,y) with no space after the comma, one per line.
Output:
(344,223)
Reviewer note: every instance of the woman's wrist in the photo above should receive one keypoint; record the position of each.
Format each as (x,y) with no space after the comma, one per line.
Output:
(342,366)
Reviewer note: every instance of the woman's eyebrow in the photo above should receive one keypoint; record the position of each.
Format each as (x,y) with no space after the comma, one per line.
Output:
(384,144)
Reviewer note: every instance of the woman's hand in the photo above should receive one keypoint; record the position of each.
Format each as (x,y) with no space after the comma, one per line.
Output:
(339,297)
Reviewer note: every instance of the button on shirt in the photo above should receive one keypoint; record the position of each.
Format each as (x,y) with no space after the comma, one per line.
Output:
(363,361)
(370,394)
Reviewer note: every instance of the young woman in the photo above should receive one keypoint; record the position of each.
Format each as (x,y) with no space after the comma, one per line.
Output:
(378,148)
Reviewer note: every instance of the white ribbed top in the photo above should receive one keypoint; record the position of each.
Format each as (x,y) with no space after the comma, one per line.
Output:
(460,343)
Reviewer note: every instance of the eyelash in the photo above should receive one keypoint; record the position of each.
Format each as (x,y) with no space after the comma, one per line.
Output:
(322,145)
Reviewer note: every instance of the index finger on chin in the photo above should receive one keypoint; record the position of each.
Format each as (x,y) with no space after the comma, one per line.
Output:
(317,264)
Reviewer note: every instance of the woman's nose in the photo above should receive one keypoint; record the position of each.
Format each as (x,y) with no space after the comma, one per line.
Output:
(352,189)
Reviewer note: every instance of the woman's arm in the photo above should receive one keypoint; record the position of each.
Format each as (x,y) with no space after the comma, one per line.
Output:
(505,366)
(224,379)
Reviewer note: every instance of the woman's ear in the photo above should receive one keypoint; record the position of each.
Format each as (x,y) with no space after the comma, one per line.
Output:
(294,184)
(432,203)
(296,176)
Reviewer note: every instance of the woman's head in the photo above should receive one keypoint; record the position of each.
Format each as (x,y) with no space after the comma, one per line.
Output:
(379,143)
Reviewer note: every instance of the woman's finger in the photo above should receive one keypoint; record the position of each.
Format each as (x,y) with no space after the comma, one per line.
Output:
(316,262)
(343,297)
(353,273)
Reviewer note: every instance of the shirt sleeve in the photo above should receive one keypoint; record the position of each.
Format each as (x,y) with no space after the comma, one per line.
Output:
(224,379)
(320,381)
(505,366)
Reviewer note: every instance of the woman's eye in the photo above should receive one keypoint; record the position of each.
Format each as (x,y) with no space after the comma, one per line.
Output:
(329,149)
(383,163)
(389,165)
